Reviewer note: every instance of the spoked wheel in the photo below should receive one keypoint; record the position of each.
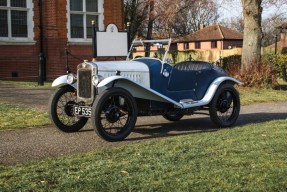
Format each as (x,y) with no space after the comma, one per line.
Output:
(225,106)
(176,116)
(114,114)
(61,110)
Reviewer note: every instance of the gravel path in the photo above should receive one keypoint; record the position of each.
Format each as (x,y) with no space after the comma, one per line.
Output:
(20,146)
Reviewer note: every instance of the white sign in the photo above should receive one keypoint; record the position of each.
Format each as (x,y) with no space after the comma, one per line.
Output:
(112,42)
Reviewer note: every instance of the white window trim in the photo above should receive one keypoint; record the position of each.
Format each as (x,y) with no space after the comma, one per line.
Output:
(30,24)
(101,23)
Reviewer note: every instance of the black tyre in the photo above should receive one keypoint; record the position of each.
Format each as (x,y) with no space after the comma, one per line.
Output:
(114,114)
(173,116)
(60,109)
(225,106)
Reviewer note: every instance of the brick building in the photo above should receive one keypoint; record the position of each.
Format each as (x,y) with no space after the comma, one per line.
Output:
(66,25)
(213,37)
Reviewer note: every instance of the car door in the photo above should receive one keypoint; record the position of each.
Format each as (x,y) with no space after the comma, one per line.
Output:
(182,81)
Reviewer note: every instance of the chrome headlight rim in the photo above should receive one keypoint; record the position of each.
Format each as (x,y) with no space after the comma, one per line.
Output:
(71,78)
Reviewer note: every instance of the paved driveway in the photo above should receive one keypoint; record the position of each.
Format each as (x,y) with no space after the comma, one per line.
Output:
(18,146)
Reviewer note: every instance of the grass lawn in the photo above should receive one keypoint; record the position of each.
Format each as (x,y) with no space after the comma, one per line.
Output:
(248,158)
(17,117)
(255,95)
(30,84)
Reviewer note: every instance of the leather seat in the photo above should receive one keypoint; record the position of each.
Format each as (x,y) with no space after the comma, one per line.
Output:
(192,66)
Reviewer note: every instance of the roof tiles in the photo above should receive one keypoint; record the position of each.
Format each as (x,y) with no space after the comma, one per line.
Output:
(212,32)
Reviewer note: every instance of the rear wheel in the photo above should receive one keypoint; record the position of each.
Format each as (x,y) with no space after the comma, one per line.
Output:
(114,114)
(60,109)
(225,106)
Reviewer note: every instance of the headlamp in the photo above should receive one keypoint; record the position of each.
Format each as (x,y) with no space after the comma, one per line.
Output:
(71,78)
(97,79)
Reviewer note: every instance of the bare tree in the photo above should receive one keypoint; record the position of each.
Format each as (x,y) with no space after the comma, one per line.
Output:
(136,12)
(151,19)
(235,23)
(269,28)
(184,17)
(169,16)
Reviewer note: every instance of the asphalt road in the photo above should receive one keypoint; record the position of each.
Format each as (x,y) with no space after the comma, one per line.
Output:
(20,146)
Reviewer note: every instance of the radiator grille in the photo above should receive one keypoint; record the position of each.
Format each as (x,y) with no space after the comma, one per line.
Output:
(85,83)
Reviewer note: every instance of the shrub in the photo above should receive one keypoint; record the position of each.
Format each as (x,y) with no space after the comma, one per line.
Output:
(261,76)
(230,60)
(276,61)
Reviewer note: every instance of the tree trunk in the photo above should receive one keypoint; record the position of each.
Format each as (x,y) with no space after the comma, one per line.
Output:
(150,26)
(251,51)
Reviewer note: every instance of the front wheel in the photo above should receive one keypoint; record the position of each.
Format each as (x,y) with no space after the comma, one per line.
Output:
(114,114)
(60,109)
(225,106)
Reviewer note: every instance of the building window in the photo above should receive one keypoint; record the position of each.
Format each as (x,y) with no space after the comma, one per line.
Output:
(81,14)
(186,45)
(197,45)
(213,44)
(16,19)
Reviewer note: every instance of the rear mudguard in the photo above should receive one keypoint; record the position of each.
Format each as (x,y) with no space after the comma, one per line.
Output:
(139,91)
(62,80)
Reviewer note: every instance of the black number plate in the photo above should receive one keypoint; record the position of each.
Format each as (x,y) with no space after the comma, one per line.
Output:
(84,111)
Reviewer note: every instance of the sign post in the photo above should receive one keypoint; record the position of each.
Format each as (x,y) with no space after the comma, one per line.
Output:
(95,53)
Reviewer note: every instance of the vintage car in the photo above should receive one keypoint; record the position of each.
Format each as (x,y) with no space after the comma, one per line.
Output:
(114,93)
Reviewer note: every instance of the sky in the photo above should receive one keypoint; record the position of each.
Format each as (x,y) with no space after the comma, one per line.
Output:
(233,8)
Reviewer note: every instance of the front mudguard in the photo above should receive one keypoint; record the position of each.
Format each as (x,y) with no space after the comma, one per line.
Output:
(61,81)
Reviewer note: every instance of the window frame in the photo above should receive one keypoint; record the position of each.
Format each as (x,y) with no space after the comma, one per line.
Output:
(186,45)
(30,23)
(85,13)
(213,44)
(197,45)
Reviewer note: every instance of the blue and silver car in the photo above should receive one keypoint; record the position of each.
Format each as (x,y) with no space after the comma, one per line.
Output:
(114,93)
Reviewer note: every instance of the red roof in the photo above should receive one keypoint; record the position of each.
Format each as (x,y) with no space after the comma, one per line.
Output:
(212,32)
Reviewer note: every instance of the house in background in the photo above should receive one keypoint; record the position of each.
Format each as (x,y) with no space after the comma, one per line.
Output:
(213,37)
(66,25)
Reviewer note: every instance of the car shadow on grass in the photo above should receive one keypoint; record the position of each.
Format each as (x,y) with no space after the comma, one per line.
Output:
(196,125)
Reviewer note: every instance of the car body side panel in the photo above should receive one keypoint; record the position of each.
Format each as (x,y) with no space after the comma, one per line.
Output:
(188,80)
(159,82)
(136,71)
(139,91)
(182,80)
(135,89)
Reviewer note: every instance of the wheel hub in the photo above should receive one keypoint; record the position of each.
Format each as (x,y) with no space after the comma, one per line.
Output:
(113,114)
(69,108)
(224,106)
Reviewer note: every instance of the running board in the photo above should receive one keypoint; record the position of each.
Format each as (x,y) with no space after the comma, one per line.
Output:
(189,103)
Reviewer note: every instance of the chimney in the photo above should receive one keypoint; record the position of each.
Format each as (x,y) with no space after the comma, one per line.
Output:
(283,38)
(201,26)
(283,34)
